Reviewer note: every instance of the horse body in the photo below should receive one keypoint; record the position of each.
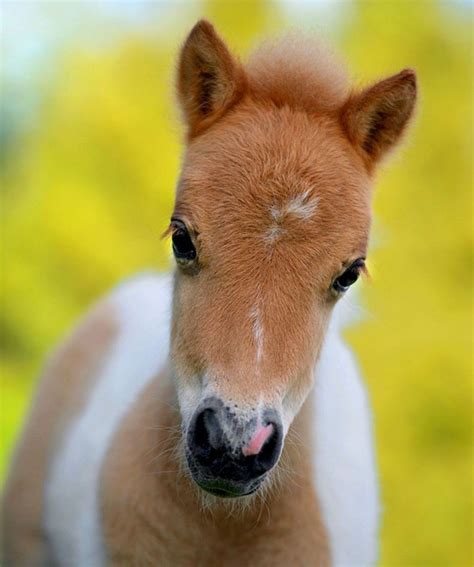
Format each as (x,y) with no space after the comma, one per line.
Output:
(133,372)
(235,377)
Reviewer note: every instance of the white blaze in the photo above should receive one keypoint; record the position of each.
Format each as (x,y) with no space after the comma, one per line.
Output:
(257,329)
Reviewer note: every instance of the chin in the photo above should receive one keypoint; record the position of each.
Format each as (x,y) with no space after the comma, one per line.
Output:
(215,490)
(228,490)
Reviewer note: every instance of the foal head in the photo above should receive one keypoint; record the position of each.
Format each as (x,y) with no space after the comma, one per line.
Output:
(270,228)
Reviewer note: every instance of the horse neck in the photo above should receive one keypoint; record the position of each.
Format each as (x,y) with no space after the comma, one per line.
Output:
(174,519)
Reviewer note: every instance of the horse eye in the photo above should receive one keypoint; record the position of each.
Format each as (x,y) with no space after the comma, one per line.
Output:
(343,282)
(183,246)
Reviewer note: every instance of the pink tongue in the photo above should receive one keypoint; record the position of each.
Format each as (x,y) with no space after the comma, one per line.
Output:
(258,439)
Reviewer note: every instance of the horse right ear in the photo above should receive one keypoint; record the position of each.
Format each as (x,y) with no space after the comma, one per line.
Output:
(210,80)
(376,118)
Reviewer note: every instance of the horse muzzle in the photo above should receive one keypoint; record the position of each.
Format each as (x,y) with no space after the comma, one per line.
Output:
(230,455)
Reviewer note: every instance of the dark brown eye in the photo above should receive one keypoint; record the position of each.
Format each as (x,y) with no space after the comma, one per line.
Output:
(183,246)
(343,282)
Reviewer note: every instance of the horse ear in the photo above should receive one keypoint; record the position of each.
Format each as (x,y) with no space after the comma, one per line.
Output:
(210,80)
(376,118)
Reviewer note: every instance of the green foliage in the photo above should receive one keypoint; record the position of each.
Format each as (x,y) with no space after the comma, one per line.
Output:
(87,192)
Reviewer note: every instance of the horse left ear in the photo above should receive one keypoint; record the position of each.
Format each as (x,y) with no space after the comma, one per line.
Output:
(376,118)
(210,80)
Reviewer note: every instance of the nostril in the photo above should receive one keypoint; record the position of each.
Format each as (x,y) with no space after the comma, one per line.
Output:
(270,450)
(207,430)
(258,440)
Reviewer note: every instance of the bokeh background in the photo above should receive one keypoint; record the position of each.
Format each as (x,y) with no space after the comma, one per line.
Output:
(90,152)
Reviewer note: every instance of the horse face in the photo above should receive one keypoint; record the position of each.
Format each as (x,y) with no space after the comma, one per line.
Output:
(261,234)
(270,228)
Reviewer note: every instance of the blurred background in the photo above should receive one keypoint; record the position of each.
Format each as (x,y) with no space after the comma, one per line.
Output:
(90,153)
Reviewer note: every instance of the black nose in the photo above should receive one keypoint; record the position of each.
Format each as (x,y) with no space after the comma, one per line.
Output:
(217,440)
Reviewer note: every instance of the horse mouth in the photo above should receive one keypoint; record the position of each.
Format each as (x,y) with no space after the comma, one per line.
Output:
(226,489)
(223,487)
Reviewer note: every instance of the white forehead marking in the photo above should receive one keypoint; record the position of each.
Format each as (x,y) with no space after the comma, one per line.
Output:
(257,329)
(302,206)
(273,234)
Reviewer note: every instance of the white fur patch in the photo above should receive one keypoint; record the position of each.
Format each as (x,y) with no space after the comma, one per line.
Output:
(345,468)
(273,234)
(302,206)
(72,509)
(190,396)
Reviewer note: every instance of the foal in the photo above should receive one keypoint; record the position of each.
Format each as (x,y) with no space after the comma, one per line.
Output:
(202,441)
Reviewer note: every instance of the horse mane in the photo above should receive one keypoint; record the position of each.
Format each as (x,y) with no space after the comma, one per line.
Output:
(298,72)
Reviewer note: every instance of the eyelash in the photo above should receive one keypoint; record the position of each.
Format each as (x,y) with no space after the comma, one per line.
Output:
(349,277)
(183,245)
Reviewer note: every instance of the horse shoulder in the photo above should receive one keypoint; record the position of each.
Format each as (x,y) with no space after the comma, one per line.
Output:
(87,385)
(67,379)
(140,348)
